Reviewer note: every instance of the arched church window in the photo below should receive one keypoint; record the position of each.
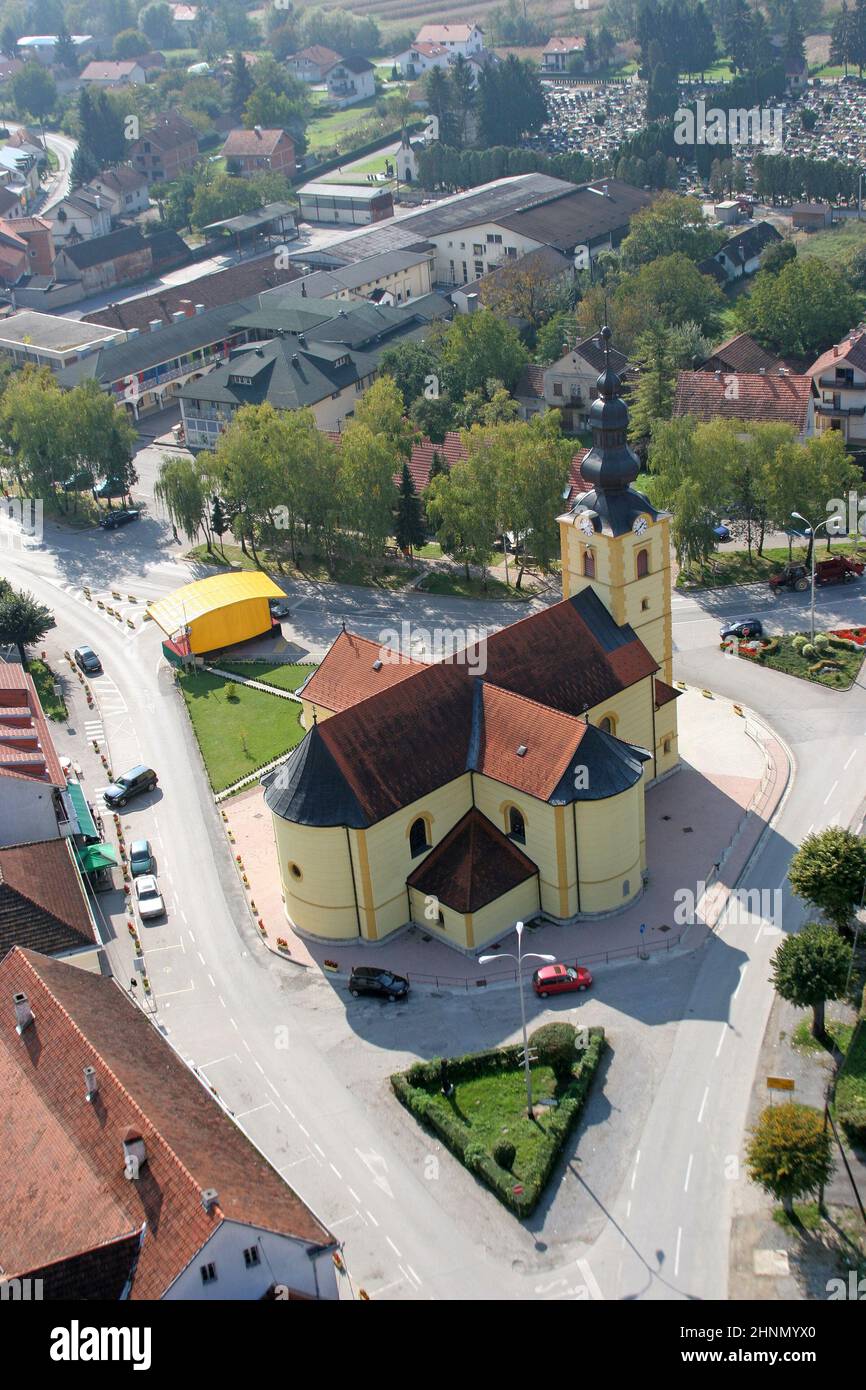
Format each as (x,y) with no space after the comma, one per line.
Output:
(642,564)
(516,825)
(589,564)
(418,842)
(607,724)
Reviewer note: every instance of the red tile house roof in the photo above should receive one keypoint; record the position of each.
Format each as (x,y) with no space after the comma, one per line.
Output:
(851,350)
(474,864)
(64,1158)
(742,354)
(26,748)
(257,141)
(706,395)
(42,902)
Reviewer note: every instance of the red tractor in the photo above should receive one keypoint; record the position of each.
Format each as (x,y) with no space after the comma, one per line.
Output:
(838,569)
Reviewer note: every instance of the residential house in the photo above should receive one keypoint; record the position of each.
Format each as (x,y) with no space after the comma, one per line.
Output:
(184,17)
(48,340)
(38,242)
(457,38)
(123,190)
(350,80)
(129,73)
(103,262)
(168,147)
(419,58)
(80,216)
(811,217)
(12,204)
(781,395)
(839,378)
(568,385)
(311,64)
(740,354)
(34,804)
(40,47)
(14,260)
(536,268)
(393,276)
(136,1182)
(20,169)
(559,51)
(9,68)
(44,905)
(223,287)
(259,151)
(741,253)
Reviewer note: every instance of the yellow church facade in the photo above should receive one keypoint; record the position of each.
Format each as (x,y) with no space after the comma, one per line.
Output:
(468,794)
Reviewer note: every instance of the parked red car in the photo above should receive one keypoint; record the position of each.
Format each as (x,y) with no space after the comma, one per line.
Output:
(560,979)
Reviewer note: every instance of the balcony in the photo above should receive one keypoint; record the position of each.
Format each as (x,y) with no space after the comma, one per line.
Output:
(832,383)
(838,411)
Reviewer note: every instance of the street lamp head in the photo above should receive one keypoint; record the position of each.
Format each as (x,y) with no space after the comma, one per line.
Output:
(518,927)
(484,960)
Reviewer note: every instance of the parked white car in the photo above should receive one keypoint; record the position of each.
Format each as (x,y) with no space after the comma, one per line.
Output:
(148,897)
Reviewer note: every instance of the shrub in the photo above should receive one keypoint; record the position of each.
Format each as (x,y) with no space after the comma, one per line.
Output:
(504,1154)
(555,1045)
(807,650)
(798,642)
(822,641)
(231,691)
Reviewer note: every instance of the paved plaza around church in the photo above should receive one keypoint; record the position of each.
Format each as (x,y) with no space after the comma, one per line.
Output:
(711,812)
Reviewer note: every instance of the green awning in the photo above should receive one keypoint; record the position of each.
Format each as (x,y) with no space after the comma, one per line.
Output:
(93,857)
(82,810)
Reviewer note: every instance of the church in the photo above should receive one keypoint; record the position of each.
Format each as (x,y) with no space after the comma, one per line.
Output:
(506,781)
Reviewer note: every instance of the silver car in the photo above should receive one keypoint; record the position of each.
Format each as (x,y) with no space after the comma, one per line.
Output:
(148,897)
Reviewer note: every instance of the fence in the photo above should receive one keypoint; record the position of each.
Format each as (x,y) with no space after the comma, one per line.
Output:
(502,976)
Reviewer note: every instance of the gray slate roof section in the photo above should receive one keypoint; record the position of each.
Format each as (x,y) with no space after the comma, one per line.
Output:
(611,767)
(310,789)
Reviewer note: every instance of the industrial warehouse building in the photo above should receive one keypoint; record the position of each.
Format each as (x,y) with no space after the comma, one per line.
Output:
(217,612)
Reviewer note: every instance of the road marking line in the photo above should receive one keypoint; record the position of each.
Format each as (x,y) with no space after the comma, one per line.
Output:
(292,1113)
(319,1148)
(395,1284)
(831,791)
(203,1066)
(740,981)
(677,1260)
(851,757)
(234,1025)
(255,1110)
(212,981)
(628,1209)
(192,938)
(688,1173)
(413,1275)
(248,1048)
(722,1038)
(286,1166)
(590,1281)
(201,957)
(342,1219)
(305,1132)
(222,1001)
(703,1103)
(353,1194)
(371,1216)
(336,1170)
(394,1248)
(272,1086)
(258,1064)
(166,994)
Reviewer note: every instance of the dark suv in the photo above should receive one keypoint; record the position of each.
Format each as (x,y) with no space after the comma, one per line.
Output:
(110,521)
(132,783)
(368,979)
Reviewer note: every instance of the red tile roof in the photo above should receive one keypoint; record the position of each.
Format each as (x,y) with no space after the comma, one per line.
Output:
(42,902)
(664,693)
(851,350)
(399,744)
(707,396)
(19,704)
(63,1157)
(252,142)
(530,383)
(347,674)
(452,451)
(742,354)
(548,737)
(472,866)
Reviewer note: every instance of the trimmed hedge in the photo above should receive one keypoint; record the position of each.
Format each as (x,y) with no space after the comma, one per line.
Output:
(412,1088)
(851,1086)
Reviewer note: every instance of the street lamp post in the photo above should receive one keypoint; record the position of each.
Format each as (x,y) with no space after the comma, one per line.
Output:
(813,531)
(520,958)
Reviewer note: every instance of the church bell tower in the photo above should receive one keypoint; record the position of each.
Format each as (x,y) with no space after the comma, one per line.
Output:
(613,539)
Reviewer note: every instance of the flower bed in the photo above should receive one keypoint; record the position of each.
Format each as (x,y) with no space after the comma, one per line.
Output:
(850,634)
(834,660)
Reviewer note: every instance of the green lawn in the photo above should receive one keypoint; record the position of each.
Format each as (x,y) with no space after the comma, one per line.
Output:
(357,173)
(839,1032)
(835,244)
(284,676)
(737,567)
(783,656)
(324,131)
(851,1087)
(237,736)
(53,705)
(494,1107)
(459,586)
(347,569)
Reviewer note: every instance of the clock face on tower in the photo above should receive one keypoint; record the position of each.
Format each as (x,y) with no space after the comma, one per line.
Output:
(587,526)
(639,525)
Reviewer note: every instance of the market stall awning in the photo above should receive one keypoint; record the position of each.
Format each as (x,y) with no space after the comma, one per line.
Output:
(82,811)
(93,857)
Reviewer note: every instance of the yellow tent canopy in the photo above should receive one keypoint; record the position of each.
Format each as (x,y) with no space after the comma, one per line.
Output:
(219,611)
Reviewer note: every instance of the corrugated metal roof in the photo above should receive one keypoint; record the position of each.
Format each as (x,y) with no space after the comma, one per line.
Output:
(192,601)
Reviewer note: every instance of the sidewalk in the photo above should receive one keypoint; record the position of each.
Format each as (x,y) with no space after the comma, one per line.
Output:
(703,824)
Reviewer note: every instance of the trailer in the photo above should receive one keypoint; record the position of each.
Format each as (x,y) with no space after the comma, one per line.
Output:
(837,569)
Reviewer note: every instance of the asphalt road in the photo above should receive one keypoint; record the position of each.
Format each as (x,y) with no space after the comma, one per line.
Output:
(303,1068)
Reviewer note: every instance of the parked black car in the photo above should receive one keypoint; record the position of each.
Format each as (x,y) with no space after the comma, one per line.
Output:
(369,979)
(746,630)
(86,658)
(132,783)
(118,516)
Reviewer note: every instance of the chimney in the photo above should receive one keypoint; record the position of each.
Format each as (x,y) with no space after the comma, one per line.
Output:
(199,308)
(178,317)
(258,131)
(23,1012)
(717,374)
(131,333)
(134,1154)
(209,1198)
(91,1084)
(762,371)
(835,349)
(155,325)
(295,359)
